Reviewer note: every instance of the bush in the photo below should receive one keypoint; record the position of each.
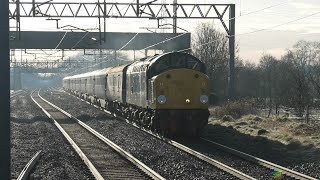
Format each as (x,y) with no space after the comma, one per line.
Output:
(234,109)
(262,131)
(227,118)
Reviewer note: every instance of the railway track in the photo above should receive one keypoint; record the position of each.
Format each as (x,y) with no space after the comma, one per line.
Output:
(15,93)
(264,165)
(262,162)
(283,172)
(105,159)
(28,167)
(189,151)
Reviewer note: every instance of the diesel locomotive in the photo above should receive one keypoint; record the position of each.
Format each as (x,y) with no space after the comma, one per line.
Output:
(166,93)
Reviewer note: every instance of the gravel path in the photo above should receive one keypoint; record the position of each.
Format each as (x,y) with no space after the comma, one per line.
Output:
(161,157)
(31,131)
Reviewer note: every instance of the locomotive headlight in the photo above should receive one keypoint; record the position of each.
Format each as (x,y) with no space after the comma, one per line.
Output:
(162,99)
(204,99)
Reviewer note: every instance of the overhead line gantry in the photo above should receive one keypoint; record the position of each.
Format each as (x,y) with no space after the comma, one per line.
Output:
(150,10)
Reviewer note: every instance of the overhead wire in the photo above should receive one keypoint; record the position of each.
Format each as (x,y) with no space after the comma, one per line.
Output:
(252,12)
(66,31)
(289,22)
(99,25)
(86,32)
(264,29)
(242,33)
(100,22)
(128,42)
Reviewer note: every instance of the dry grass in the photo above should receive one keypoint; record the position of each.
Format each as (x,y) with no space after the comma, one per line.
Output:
(279,129)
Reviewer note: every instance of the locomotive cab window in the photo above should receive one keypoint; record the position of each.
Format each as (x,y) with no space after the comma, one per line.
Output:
(176,61)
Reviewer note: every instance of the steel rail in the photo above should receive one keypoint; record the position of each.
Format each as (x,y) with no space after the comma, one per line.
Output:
(89,164)
(26,170)
(260,161)
(129,157)
(194,153)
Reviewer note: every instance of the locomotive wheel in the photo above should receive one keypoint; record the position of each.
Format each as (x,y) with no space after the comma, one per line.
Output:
(148,121)
(152,124)
(106,106)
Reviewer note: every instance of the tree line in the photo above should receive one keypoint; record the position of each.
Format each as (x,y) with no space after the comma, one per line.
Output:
(292,80)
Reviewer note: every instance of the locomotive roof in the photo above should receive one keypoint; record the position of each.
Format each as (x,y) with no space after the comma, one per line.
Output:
(156,57)
(101,71)
(159,63)
(118,68)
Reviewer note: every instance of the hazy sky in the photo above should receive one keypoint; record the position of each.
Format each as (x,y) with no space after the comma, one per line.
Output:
(250,18)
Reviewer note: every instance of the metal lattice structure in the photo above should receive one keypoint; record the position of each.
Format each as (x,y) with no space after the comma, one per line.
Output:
(118,10)
(151,11)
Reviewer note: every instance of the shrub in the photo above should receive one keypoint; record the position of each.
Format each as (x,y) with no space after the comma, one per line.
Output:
(234,109)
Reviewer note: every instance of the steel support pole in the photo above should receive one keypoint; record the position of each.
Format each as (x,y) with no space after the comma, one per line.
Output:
(99,20)
(104,20)
(100,58)
(4,91)
(18,20)
(138,9)
(174,16)
(231,74)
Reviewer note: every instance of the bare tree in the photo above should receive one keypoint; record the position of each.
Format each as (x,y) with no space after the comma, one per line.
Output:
(248,80)
(300,96)
(311,52)
(211,46)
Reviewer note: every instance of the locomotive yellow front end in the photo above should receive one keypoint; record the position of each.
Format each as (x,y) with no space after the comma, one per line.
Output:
(180,98)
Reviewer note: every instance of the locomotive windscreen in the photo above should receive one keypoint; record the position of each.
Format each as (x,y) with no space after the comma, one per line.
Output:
(176,61)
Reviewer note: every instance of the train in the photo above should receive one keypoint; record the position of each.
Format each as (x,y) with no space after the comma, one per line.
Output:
(166,93)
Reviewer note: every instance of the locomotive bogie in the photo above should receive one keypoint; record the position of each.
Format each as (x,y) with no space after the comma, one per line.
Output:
(182,122)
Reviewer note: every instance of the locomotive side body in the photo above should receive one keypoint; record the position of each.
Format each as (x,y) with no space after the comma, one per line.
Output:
(77,84)
(136,90)
(66,83)
(116,84)
(90,83)
(100,83)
